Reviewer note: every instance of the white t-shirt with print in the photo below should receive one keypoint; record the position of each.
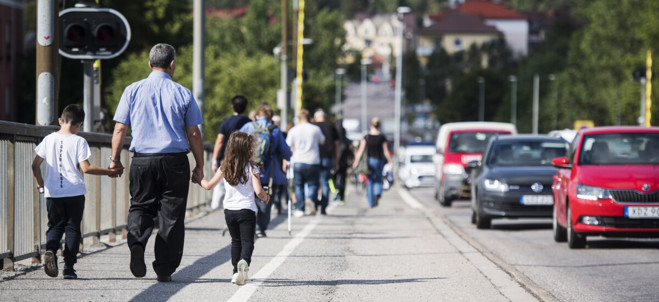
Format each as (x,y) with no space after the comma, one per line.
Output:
(62,154)
(241,196)
(305,138)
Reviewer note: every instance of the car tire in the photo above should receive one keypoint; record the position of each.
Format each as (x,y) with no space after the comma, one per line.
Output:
(560,233)
(473,216)
(483,222)
(574,240)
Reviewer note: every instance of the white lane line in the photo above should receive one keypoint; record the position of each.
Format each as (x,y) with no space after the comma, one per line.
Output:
(246,291)
(410,200)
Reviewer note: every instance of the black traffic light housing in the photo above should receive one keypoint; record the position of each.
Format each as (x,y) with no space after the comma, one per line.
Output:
(93,33)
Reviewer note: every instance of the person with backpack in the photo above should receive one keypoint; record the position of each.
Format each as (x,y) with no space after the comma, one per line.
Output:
(228,126)
(270,146)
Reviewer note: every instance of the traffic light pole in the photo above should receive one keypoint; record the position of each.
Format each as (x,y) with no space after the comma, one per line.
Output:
(88,94)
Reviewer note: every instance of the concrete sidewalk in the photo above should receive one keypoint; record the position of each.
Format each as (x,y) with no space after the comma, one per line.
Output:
(398,251)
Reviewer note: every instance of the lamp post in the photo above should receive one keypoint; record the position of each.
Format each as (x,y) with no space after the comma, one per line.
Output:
(402,10)
(337,98)
(365,62)
(481,99)
(513,99)
(554,96)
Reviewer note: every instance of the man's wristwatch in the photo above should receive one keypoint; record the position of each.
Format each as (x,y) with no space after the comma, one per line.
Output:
(115,160)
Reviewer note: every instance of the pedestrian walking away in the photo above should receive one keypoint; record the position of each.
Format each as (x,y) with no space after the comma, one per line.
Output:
(329,156)
(270,146)
(164,118)
(241,176)
(66,154)
(377,152)
(305,140)
(346,157)
(228,126)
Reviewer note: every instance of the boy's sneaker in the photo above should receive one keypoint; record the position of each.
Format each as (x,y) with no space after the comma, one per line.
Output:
(50,264)
(343,202)
(69,273)
(298,213)
(233,279)
(243,268)
(137,265)
(311,206)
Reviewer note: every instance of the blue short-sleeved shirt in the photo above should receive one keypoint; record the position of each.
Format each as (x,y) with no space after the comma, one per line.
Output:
(158,110)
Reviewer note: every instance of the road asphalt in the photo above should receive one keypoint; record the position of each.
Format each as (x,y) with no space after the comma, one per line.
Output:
(398,251)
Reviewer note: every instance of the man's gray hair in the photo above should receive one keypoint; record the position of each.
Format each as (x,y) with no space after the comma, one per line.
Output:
(161,55)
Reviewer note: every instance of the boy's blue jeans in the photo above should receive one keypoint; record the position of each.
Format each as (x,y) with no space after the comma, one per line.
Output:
(64,217)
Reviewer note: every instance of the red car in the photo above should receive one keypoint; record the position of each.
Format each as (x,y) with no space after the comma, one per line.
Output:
(608,186)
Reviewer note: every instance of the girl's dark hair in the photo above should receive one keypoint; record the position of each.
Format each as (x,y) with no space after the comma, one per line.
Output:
(236,158)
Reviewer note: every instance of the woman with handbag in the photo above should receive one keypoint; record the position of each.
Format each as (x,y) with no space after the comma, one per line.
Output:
(374,151)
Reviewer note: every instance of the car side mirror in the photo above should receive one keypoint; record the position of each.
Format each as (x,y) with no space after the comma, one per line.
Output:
(474,164)
(561,163)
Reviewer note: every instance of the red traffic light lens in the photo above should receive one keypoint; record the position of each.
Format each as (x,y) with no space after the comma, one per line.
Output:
(75,33)
(105,33)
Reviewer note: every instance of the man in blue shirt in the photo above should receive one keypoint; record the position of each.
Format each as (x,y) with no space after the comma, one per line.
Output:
(278,149)
(164,119)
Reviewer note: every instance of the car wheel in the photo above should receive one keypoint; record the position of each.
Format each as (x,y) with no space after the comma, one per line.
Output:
(473,216)
(574,240)
(560,234)
(482,222)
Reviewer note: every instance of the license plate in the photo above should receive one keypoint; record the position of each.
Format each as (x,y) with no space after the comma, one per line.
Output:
(642,212)
(536,200)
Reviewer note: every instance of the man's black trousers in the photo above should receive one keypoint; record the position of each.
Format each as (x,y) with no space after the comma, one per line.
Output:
(159,185)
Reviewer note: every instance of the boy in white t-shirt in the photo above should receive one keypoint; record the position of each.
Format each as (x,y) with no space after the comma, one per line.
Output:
(66,155)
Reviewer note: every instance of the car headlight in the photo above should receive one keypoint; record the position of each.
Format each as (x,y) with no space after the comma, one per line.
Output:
(592,192)
(414,171)
(454,169)
(495,185)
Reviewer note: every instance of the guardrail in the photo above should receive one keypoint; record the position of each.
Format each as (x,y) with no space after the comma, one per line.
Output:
(23,217)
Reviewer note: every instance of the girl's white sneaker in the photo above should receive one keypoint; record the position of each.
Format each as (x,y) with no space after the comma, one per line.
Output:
(243,268)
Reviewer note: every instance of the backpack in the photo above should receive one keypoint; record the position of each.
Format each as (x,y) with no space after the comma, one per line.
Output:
(263,139)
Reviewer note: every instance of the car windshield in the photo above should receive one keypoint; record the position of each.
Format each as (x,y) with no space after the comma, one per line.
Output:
(470,142)
(620,149)
(421,158)
(525,153)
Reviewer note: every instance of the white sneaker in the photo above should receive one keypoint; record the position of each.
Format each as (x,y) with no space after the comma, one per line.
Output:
(310,205)
(233,279)
(298,213)
(243,268)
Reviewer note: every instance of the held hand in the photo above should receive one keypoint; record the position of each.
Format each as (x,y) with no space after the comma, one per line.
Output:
(118,167)
(196,179)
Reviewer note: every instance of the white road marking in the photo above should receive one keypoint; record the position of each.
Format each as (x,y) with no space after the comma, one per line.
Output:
(246,291)
(409,199)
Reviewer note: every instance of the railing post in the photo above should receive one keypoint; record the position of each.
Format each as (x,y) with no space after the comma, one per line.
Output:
(8,263)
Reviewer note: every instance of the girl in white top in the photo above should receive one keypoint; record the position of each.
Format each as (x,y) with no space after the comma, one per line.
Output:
(241,181)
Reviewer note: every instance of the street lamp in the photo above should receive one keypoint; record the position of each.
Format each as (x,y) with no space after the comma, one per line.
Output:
(513,99)
(365,62)
(481,99)
(402,10)
(337,97)
(554,96)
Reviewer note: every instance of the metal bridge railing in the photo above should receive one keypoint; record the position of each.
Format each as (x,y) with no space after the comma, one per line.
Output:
(23,218)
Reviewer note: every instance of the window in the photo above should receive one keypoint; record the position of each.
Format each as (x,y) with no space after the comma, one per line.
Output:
(457,43)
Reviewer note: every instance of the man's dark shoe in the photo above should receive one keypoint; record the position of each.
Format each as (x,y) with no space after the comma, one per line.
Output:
(164,278)
(69,273)
(137,265)
(50,264)
(262,234)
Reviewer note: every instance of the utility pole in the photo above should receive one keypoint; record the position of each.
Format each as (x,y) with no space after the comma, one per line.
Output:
(513,99)
(284,65)
(481,99)
(337,97)
(300,52)
(198,57)
(47,59)
(401,11)
(536,102)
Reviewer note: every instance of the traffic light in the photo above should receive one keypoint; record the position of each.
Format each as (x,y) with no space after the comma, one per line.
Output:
(93,33)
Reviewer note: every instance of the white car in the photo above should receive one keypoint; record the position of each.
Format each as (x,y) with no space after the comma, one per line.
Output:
(416,166)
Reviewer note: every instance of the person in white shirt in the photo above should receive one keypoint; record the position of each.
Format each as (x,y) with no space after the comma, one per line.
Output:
(304,140)
(241,182)
(66,155)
